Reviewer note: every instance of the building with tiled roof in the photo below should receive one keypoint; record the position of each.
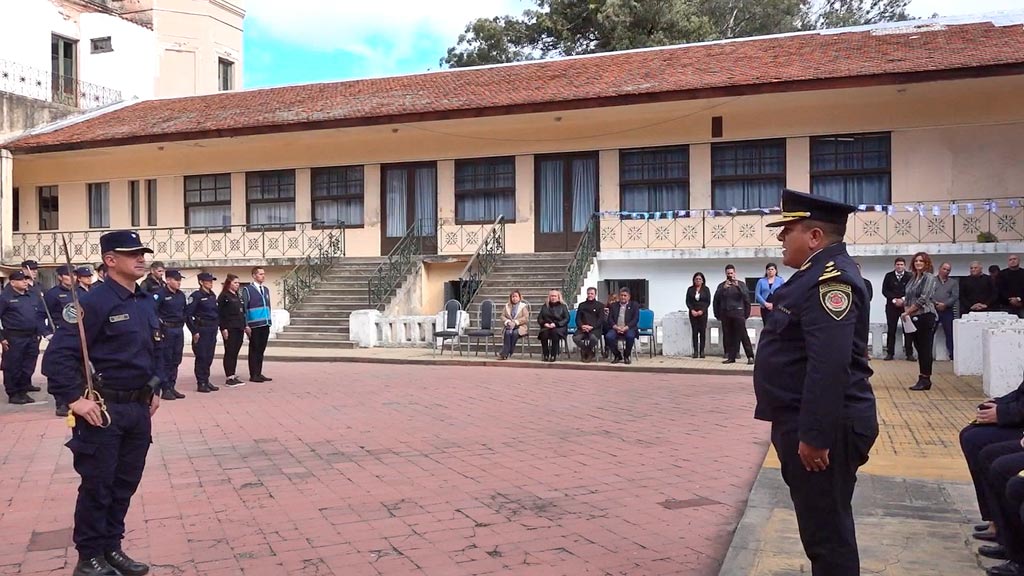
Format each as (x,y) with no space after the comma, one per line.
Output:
(664,160)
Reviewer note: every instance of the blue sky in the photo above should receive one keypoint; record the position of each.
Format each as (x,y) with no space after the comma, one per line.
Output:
(299,41)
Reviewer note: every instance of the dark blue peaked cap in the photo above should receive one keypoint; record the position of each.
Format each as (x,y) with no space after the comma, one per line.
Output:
(122,241)
(798,206)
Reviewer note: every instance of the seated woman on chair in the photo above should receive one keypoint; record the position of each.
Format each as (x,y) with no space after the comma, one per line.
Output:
(515,319)
(554,321)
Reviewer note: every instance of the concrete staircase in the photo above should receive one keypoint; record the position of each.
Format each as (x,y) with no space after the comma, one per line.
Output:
(321,320)
(533,275)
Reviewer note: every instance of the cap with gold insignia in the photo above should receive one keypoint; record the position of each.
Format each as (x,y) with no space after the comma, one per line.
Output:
(17,275)
(800,206)
(124,241)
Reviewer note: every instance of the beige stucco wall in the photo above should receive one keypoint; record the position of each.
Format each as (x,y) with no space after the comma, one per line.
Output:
(958,139)
(435,274)
(191,36)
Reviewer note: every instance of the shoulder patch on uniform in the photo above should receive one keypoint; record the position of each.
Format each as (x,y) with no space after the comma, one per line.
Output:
(189,298)
(836,298)
(70,314)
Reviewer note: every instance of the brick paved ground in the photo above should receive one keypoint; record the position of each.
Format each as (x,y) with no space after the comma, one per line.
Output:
(354,469)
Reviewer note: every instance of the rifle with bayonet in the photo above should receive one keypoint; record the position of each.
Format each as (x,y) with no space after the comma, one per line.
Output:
(90,391)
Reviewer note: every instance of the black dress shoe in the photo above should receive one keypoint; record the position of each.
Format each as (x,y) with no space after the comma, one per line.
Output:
(911,358)
(212,387)
(125,565)
(985,536)
(62,410)
(257,378)
(701,354)
(729,361)
(994,551)
(20,398)
(97,566)
(617,360)
(922,384)
(177,394)
(888,357)
(1010,568)
(168,395)
(982,527)
(33,389)
(750,360)
(265,378)
(694,355)
(627,360)
(203,387)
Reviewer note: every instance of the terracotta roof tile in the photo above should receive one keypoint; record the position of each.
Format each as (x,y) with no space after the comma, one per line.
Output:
(779,63)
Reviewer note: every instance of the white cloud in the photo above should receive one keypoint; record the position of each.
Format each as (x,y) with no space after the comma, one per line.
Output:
(383,32)
(925,8)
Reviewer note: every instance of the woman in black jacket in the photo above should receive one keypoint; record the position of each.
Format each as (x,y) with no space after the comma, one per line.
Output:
(698,298)
(554,321)
(232,327)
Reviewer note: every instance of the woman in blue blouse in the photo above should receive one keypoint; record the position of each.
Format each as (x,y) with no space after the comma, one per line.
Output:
(767,286)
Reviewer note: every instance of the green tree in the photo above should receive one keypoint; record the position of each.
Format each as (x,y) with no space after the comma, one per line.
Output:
(571,27)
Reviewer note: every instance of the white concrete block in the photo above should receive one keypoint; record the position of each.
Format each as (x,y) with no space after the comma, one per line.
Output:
(1003,359)
(968,352)
(278,320)
(362,327)
(675,334)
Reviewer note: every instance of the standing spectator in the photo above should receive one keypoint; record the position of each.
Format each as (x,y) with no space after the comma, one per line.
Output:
(231,313)
(170,309)
(920,309)
(155,280)
(589,321)
(767,286)
(947,295)
(515,319)
(1011,286)
(623,316)
(894,288)
(256,299)
(201,319)
(976,291)
(553,319)
(22,319)
(732,308)
(867,285)
(698,300)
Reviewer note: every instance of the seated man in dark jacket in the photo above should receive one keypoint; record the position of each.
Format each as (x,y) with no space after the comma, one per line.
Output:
(589,320)
(623,317)
(997,420)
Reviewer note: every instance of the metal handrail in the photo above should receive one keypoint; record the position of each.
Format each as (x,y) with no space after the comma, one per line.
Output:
(300,280)
(491,248)
(40,84)
(585,252)
(398,263)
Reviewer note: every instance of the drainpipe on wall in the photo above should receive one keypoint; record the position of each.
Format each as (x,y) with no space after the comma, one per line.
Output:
(6,203)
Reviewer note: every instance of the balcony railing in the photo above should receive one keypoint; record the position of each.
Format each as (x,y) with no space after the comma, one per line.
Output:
(184,244)
(42,85)
(966,221)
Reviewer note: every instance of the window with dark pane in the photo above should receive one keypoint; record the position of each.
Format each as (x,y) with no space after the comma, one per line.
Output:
(134,200)
(337,196)
(151,203)
(654,179)
(485,189)
(99,205)
(854,168)
(16,210)
(48,208)
(208,201)
(270,199)
(747,175)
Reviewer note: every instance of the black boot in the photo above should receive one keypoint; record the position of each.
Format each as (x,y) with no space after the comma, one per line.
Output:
(125,565)
(168,395)
(177,394)
(923,383)
(62,410)
(203,387)
(97,566)
(554,351)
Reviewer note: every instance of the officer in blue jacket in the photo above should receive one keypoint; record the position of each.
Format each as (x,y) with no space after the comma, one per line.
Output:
(21,317)
(170,308)
(60,307)
(121,328)
(811,379)
(202,319)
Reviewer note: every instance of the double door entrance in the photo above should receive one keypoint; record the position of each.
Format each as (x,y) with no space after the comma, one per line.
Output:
(408,200)
(566,198)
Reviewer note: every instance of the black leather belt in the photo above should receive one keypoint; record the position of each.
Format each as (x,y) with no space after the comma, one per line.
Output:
(173,324)
(140,395)
(20,333)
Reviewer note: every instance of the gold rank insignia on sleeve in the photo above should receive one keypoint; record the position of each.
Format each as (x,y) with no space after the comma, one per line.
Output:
(830,271)
(836,298)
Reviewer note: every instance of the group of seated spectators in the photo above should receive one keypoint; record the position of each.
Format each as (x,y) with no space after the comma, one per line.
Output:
(613,322)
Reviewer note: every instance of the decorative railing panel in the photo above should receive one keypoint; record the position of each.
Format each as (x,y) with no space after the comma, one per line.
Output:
(184,244)
(42,85)
(586,250)
(486,256)
(325,248)
(999,220)
(460,238)
(400,262)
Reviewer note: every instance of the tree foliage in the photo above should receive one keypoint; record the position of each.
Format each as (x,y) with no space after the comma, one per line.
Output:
(571,27)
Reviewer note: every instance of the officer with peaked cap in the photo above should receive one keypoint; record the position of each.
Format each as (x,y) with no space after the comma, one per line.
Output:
(170,308)
(83,274)
(202,319)
(121,328)
(811,379)
(23,324)
(60,307)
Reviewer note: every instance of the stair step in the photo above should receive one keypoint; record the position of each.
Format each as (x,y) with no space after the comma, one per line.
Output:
(311,343)
(317,329)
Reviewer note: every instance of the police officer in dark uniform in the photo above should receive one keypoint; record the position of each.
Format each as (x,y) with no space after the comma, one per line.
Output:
(21,318)
(170,308)
(121,329)
(83,275)
(811,379)
(202,318)
(60,306)
(31,270)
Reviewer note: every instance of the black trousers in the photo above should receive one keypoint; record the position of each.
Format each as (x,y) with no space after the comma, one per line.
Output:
(110,461)
(699,332)
(892,318)
(973,439)
(549,341)
(19,363)
(204,350)
(587,340)
(1000,463)
(734,333)
(924,341)
(257,346)
(232,345)
(823,501)
(1014,526)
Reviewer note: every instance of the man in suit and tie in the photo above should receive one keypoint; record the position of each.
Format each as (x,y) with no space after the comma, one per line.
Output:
(623,317)
(894,286)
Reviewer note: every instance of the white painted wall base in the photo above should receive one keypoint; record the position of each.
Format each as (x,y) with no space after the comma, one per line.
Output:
(362,328)
(1003,359)
(968,347)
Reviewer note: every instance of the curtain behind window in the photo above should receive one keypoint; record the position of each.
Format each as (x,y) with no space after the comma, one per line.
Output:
(584,192)
(552,184)
(396,203)
(426,201)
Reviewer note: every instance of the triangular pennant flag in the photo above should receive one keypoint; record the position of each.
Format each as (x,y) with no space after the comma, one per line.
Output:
(970,209)
(936,210)
(954,208)
(890,209)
